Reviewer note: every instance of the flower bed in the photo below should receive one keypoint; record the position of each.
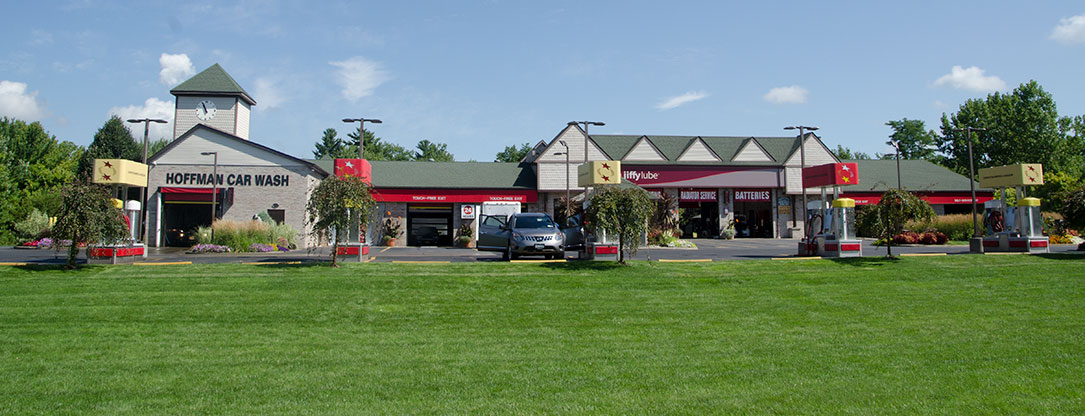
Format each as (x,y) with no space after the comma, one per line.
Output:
(209,248)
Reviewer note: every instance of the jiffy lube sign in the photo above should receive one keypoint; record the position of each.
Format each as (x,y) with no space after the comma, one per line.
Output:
(702,176)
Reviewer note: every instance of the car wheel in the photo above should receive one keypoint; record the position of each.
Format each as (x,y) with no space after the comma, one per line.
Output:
(515,256)
(549,257)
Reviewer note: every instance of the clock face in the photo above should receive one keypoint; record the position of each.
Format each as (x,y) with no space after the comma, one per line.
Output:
(205,110)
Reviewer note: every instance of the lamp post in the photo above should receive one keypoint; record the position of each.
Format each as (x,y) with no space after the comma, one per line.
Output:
(974,246)
(802,165)
(896,145)
(214,189)
(586,136)
(361,132)
(568,200)
(143,201)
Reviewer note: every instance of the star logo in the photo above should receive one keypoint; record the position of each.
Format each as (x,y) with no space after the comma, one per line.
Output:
(105,177)
(108,165)
(349,164)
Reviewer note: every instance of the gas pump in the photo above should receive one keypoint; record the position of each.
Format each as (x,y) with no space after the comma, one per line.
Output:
(837,235)
(1013,230)
(120,174)
(131,211)
(830,231)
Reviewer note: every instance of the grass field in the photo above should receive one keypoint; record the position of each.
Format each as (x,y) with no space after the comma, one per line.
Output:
(954,334)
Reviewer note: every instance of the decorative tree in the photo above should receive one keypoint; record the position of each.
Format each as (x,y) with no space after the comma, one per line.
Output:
(332,147)
(896,209)
(622,211)
(87,216)
(336,203)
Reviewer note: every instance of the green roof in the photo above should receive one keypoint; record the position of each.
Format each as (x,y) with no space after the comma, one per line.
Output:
(726,147)
(212,81)
(876,175)
(448,175)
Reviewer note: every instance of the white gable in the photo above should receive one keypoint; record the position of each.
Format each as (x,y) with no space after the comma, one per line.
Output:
(574,138)
(644,151)
(230,151)
(698,151)
(752,152)
(816,153)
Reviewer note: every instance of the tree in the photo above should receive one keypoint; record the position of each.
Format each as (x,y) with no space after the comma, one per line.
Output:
(916,142)
(34,165)
(336,203)
(332,147)
(375,149)
(87,216)
(513,154)
(621,211)
(156,146)
(432,152)
(112,141)
(1022,127)
(896,209)
(845,153)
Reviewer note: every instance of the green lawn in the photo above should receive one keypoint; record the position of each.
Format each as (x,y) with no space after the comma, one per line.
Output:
(957,334)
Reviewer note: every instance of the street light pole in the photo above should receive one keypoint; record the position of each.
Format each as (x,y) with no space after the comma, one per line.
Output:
(802,165)
(143,201)
(972,183)
(896,145)
(214,189)
(361,132)
(568,200)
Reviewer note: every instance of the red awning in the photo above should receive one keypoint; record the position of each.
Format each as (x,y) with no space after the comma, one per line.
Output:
(870,198)
(174,194)
(454,195)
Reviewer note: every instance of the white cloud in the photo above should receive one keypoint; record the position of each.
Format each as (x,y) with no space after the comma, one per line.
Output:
(787,95)
(681,99)
(359,77)
(1070,30)
(152,108)
(175,68)
(17,103)
(267,92)
(972,79)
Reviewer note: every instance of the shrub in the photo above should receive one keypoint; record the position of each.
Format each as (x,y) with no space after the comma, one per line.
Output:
(240,235)
(928,238)
(956,227)
(727,233)
(283,235)
(392,228)
(203,235)
(35,226)
(907,237)
(466,230)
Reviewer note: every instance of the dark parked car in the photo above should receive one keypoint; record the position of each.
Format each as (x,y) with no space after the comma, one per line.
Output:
(526,234)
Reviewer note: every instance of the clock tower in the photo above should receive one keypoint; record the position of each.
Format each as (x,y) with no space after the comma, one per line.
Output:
(212,98)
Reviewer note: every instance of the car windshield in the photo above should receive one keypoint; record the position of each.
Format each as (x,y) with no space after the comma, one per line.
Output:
(533,222)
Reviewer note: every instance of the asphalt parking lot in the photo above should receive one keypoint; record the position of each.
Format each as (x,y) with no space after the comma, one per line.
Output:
(707,250)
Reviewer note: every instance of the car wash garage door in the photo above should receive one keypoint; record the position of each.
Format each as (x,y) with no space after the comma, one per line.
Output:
(429,224)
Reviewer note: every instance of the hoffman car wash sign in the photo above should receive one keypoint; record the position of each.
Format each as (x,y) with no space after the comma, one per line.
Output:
(230,179)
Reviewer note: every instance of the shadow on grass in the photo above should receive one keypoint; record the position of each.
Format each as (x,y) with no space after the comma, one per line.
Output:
(584,265)
(864,261)
(1073,255)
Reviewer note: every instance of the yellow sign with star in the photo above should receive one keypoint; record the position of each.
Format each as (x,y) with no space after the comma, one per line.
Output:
(1008,176)
(601,172)
(120,172)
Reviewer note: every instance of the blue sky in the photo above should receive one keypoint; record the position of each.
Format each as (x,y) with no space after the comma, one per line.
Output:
(482,75)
